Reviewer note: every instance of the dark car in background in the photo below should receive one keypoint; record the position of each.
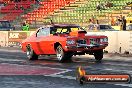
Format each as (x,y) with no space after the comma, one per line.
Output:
(101,27)
(6,26)
(129,27)
(105,27)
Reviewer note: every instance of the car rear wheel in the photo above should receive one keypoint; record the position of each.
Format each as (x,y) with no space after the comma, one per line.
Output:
(31,55)
(62,55)
(98,55)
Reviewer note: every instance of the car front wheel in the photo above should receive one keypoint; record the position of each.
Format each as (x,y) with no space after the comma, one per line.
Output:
(62,55)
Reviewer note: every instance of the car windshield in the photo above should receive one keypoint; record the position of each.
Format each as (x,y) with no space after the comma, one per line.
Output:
(64,30)
(105,27)
(4,24)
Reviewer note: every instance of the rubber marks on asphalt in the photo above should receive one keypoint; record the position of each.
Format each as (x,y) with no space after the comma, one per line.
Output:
(45,62)
(14,69)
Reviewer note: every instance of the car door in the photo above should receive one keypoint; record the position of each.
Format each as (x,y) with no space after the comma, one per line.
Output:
(45,43)
(36,43)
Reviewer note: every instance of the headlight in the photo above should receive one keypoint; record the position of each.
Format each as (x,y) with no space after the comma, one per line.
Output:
(70,42)
(104,40)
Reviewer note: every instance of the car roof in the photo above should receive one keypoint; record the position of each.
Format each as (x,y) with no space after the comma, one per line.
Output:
(65,25)
(62,25)
(59,25)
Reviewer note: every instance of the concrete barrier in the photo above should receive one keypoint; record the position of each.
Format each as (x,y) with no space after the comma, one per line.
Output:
(13,38)
(16,37)
(125,41)
(3,38)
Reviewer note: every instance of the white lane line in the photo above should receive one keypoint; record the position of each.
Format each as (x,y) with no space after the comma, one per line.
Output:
(61,72)
(23,82)
(62,76)
(4,59)
(6,50)
(127,85)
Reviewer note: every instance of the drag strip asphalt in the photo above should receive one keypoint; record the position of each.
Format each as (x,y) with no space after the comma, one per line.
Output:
(48,72)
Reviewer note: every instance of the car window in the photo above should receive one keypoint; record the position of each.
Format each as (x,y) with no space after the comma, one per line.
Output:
(43,32)
(103,27)
(63,30)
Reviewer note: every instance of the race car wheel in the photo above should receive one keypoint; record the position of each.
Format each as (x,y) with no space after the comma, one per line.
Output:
(31,55)
(62,55)
(98,55)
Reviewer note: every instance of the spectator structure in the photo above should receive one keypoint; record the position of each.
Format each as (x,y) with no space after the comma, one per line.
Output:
(66,11)
(46,8)
(12,10)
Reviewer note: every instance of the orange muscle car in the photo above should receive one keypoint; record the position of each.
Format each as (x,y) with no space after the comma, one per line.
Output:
(64,40)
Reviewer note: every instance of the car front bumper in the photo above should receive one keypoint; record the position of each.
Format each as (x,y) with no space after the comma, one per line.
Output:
(85,47)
